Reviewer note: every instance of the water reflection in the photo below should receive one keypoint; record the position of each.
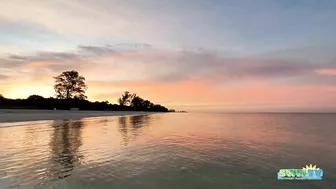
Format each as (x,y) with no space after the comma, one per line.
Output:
(173,151)
(130,127)
(64,144)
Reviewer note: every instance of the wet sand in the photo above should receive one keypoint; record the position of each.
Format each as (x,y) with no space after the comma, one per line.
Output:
(17,115)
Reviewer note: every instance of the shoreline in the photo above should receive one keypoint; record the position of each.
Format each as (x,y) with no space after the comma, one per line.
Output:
(21,115)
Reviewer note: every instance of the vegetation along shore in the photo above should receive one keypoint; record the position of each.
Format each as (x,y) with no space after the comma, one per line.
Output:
(70,91)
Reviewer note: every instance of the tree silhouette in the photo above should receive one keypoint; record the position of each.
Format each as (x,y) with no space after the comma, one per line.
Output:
(137,102)
(147,104)
(70,85)
(35,97)
(127,102)
(126,98)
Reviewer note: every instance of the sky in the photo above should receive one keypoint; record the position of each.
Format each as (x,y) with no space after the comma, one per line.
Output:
(197,55)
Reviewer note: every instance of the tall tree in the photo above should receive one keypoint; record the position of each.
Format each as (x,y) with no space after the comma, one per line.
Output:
(69,85)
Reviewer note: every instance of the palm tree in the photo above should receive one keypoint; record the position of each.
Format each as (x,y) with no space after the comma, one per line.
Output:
(126,98)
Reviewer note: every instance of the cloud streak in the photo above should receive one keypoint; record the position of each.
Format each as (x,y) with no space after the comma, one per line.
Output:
(3,77)
(169,66)
(326,72)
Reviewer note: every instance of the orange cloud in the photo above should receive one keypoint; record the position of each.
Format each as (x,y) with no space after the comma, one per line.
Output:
(37,64)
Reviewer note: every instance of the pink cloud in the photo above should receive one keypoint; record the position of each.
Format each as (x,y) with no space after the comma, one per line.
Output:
(326,71)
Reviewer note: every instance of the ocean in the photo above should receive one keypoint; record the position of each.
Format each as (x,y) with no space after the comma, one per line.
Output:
(169,151)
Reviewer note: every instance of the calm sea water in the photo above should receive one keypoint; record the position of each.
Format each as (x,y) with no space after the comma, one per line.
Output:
(170,151)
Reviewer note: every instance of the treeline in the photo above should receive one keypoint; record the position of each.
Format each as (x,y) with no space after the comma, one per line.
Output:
(127,102)
(70,91)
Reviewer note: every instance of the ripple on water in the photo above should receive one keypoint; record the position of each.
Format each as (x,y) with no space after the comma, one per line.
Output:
(166,151)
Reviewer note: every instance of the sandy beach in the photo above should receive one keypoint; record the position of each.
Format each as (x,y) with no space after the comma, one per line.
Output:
(17,115)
